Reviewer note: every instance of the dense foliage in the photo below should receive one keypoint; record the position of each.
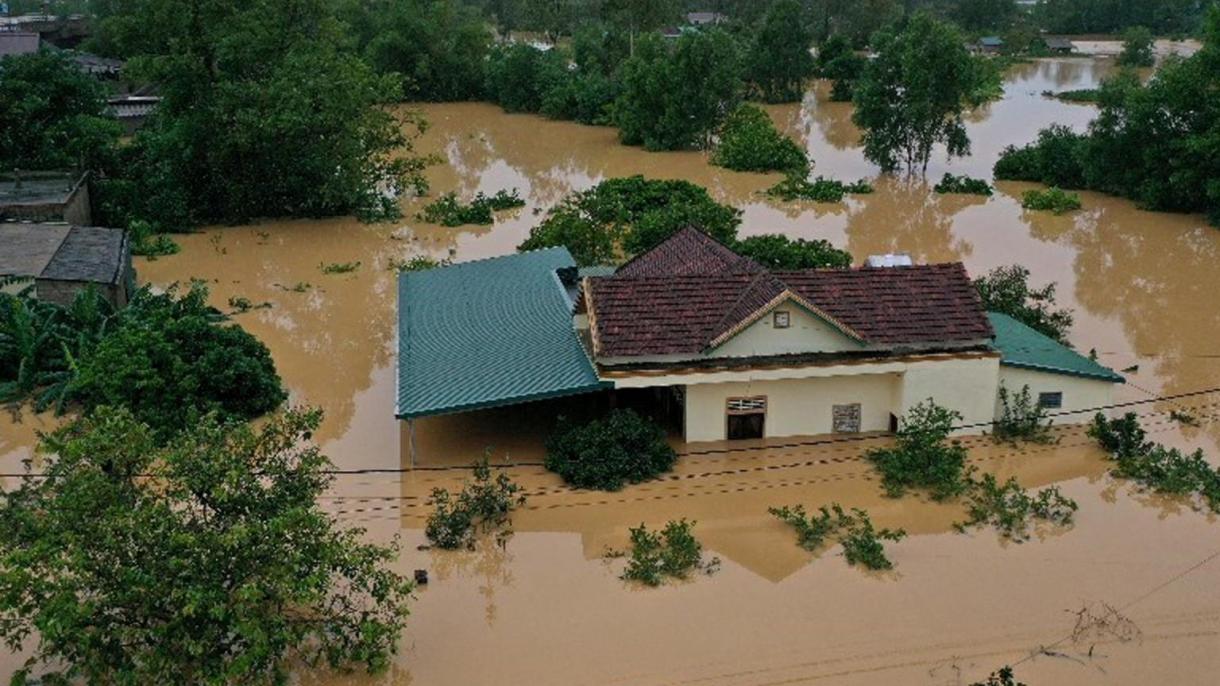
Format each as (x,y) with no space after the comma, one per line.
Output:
(838,61)
(818,190)
(206,560)
(861,541)
(776,251)
(779,61)
(1052,199)
(482,504)
(1108,16)
(1152,465)
(923,457)
(912,96)
(1154,143)
(168,360)
(447,210)
(519,76)
(266,110)
(749,141)
(52,115)
(1137,48)
(1021,418)
(629,216)
(671,553)
(962,184)
(606,454)
(1007,290)
(677,98)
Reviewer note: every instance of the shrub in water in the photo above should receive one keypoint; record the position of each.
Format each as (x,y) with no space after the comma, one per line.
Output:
(1021,419)
(673,552)
(923,457)
(1055,159)
(1053,199)
(819,190)
(482,504)
(1009,508)
(607,453)
(862,543)
(1164,470)
(749,141)
(962,184)
(447,211)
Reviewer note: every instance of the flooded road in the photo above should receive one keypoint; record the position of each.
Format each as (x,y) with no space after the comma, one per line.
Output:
(546,609)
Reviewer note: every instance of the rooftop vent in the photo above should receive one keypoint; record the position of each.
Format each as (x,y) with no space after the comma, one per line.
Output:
(889,260)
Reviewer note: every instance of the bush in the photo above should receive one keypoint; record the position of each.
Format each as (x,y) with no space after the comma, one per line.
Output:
(818,190)
(749,141)
(674,553)
(1161,469)
(861,542)
(1053,199)
(840,63)
(607,453)
(776,251)
(519,76)
(482,505)
(582,97)
(629,216)
(962,184)
(1004,677)
(1089,95)
(922,458)
(1137,48)
(1055,159)
(1009,508)
(447,211)
(1021,419)
(1006,290)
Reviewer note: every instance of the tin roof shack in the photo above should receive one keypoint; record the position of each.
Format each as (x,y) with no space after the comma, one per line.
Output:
(18,43)
(1059,44)
(45,197)
(63,260)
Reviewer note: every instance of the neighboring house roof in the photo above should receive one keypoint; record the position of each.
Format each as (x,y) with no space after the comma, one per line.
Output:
(488,333)
(686,313)
(1058,43)
(699,18)
(991,41)
(63,253)
(1023,347)
(18,43)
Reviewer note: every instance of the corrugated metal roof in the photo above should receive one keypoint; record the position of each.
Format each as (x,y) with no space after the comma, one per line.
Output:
(488,333)
(89,253)
(1021,346)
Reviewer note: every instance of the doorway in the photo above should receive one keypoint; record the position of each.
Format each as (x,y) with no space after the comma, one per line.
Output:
(746,418)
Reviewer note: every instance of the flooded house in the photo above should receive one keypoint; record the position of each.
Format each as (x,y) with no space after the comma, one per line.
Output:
(45,197)
(735,350)
(62,260)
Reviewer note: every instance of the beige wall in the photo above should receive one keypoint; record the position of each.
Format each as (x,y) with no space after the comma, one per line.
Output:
(805,334)
(966,385)
(795,407)
(1078,393)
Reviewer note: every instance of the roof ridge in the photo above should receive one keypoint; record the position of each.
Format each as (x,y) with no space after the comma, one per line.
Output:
(721,327)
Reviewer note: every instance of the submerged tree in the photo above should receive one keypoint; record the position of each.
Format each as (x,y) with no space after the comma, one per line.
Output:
(779,62)
(912,96)
(1137,48)
(204,561)
(1006,290)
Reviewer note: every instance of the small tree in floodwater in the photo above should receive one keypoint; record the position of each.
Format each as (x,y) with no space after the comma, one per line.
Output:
(924,458)
(862,543)
(206,561)
(1006,290)
(483,504)
(1021,418)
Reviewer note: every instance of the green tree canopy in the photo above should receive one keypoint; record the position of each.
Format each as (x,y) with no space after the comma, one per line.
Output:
(677,98)
(838,62)
(1137,48)
(437,46)
(913,95)
(1006,290)
(779,61)
(749,141)
(52,115)
(207,560)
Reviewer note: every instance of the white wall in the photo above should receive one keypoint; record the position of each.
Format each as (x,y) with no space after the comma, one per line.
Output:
(795,407)
(1079,393)
(967,385)
(805,334)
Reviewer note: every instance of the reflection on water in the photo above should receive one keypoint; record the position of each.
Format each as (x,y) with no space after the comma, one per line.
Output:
(543,611)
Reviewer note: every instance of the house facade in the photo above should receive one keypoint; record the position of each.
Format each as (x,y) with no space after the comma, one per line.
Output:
(742,351)
(61,261)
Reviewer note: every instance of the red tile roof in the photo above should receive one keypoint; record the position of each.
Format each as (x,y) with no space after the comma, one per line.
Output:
(641,311)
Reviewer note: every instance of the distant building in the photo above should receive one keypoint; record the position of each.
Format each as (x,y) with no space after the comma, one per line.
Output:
(45,197)
(63,260)
(18,43)
(704,18)
(989,45)
(1059,44)
(94,65)
(133,110)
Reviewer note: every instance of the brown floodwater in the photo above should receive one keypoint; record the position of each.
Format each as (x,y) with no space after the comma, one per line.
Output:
(548,609)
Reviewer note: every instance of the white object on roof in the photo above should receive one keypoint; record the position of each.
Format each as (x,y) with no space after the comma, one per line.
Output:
(889,260)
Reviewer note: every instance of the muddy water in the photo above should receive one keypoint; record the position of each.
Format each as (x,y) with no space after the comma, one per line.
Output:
(546,609)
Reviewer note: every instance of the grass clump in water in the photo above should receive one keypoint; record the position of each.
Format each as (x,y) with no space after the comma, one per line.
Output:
(1010,508)
(1077,95)
(339,267)
(1021,419)
(1004,677)
(923,457)
(671,553)
(1053,199)
(1163,470)
(819,190)
(448,211)
(482,505)
(962,184)
(862,542)
(417,264)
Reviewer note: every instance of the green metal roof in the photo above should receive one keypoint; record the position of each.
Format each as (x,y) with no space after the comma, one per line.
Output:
(488,333)
(1021,346)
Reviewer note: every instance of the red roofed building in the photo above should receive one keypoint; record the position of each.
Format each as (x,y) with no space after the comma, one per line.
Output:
(753,353)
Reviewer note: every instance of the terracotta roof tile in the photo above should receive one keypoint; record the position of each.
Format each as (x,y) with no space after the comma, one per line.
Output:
(689,251)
